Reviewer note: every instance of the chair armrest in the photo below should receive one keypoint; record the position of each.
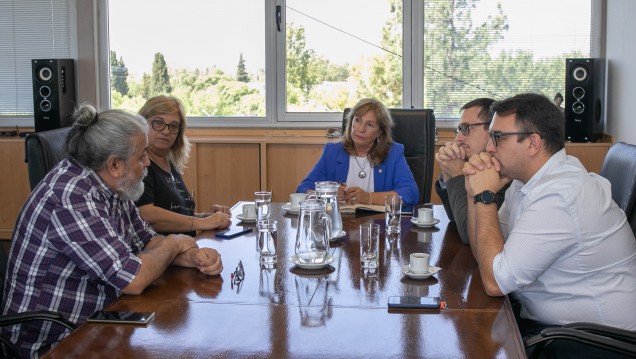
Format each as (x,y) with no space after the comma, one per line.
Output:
(18,318)
(612,332)
(548,335)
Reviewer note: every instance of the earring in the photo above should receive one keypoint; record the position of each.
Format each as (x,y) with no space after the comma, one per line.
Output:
(377,139)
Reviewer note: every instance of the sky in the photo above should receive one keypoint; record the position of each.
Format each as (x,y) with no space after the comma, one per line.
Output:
(218,31)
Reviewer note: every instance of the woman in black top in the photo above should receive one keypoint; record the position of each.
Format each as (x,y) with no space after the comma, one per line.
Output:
(166,204)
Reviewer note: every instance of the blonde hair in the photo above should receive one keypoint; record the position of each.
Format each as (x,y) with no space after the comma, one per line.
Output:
(162,105)
(380,149)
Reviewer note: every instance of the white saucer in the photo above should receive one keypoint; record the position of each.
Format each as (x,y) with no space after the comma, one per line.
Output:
(407,272)
(338,235)
(291,210)
(246,220)
(424,225)
(328,259)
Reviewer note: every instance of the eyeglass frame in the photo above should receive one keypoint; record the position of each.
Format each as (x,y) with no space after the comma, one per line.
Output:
(238,275)
(163,125)
(464,128)
(496,135)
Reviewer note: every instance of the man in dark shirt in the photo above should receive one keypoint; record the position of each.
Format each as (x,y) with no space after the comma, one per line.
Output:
(79,241)
(472,137)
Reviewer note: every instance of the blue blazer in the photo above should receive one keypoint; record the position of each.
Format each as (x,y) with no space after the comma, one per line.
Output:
(391,175)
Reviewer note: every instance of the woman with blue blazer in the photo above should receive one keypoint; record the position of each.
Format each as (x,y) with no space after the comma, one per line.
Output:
(367,162)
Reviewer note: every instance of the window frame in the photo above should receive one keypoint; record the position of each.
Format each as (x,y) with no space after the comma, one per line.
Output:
(275,102)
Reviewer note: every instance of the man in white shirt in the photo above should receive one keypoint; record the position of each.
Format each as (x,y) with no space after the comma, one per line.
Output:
(559,244)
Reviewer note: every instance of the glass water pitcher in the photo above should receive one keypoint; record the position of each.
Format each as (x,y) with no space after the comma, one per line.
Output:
(328,192)
(314,231)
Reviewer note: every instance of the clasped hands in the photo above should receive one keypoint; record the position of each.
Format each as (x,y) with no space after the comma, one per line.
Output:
(482,172)
(451,158)
(206,260)
(353,195)
(217,217)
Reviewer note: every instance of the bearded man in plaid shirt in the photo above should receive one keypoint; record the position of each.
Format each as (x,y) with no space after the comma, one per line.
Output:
(79,241)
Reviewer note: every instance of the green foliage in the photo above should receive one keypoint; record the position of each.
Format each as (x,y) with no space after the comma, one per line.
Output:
(459,67)
(300,61)
(455,47)
(118,74)
(159,80)
(241,74)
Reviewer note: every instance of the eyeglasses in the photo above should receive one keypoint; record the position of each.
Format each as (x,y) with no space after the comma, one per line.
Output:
(464,128)
(496,135)
(237,277)
(159,125)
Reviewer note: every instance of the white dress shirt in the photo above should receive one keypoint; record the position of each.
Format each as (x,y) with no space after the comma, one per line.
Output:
(570,254)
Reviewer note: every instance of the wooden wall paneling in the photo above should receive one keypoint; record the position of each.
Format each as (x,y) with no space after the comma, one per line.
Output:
(287,165)
(14,184)
(264,185)
(226,173)
(591,155)
(226,167)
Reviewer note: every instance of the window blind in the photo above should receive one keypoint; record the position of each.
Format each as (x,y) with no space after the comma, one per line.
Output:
(34,29)
(498,48)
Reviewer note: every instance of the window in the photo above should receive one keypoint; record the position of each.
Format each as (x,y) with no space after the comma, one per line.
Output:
(497,48)
(35,29)
(431,53)
(232,66)
(209,54)
(334,58)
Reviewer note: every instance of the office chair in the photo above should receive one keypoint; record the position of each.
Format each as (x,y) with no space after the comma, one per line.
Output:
(7,348)
(44,150)
(415,129)
(619,167)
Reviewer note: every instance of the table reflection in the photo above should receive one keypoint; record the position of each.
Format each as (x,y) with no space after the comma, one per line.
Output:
(337,311)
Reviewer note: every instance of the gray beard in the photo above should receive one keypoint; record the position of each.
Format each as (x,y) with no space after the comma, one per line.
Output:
(132,190)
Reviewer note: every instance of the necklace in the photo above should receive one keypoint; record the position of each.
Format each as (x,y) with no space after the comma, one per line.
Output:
(362,173)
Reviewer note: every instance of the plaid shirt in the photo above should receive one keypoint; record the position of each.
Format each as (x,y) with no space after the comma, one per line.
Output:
(73,250)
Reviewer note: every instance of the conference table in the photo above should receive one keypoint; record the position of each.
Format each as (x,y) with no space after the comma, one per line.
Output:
(336,312)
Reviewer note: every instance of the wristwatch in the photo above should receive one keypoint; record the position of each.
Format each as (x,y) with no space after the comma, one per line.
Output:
(486,197)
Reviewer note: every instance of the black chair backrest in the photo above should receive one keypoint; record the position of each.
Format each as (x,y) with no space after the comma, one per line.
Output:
(415,129)
(619,167)
(44,150)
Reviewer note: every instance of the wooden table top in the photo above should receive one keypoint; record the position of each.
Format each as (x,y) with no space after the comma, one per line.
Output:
(337,312)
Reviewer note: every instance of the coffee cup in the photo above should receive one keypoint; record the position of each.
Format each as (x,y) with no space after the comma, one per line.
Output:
(419,263)
(249,211)
(425,215)
(295,199)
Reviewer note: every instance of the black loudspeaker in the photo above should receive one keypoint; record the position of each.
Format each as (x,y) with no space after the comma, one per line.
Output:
(584,91)
(53,93)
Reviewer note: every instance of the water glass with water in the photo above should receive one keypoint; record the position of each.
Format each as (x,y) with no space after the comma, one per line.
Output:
(369,245)
(392,214)
(263,200)
(267,238)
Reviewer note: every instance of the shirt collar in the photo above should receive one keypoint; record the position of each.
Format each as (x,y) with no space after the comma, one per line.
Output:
(554,161)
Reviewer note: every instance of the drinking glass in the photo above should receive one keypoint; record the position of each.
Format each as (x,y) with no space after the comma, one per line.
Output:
(267,236)
(369,245)
(392,214)
(263,201)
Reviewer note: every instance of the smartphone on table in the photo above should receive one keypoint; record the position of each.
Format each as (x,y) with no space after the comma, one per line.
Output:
(233,232)
(406,302)
(106,316)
